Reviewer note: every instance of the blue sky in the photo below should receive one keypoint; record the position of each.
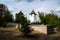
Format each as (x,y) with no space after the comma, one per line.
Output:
(27,6)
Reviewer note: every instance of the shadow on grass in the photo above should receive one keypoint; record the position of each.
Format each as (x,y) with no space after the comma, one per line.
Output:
(37,37)
(7,35)
(28,37)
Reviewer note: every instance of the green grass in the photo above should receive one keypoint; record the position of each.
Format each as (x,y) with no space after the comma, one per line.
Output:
(11,33)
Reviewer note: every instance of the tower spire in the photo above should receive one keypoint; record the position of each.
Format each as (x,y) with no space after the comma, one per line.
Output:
(33,12)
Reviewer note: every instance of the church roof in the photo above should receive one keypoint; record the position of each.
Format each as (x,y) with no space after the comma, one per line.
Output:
(33,12)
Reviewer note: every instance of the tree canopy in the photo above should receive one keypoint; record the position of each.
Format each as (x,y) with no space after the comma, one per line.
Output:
(5,15)
(50,19)
(41,17)
(25,29)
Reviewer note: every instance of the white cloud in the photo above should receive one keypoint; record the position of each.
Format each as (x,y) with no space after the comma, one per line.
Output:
(26,7)
(58,8)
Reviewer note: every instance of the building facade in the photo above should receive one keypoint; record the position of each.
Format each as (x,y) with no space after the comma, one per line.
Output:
(32,16)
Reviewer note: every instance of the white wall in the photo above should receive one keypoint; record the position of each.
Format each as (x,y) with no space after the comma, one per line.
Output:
(32,18)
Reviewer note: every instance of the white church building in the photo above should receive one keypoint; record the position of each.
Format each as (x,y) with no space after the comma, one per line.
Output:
(33,17)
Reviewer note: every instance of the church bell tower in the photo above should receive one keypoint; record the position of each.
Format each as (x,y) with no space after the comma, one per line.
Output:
(32,16)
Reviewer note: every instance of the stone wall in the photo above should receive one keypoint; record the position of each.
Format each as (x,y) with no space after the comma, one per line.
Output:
(42,29)
(38,28)
(12,25)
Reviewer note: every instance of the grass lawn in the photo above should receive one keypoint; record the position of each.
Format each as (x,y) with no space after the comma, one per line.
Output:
(11,33)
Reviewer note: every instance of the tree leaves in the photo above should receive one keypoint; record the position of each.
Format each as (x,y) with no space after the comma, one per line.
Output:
(25,29)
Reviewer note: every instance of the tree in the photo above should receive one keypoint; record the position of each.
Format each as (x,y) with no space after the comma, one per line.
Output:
(58,25)
(25,29)
(41,17)
(8,17)
(5,15)
(50,19)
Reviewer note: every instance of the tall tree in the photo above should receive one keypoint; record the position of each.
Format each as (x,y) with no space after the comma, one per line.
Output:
(41,17)
(25,29)
(5,15)
(8,17)
(50,19)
